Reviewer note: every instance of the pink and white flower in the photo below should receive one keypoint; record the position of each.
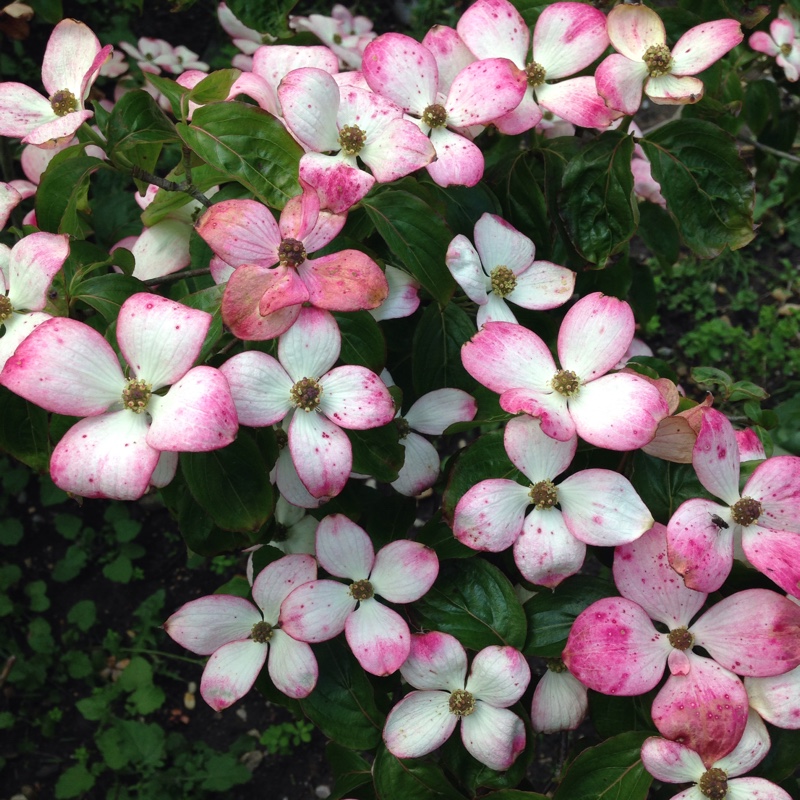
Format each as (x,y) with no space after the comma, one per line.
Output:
(643,62)
(782,43)
(597,507)
(401,572)
(403,298)
(762,521)
(502,266)
(319,400)
(425,719)
(618,411)
(346,35)
(69,368)
(560,700)
(246,39)
(241,637)
(71,63)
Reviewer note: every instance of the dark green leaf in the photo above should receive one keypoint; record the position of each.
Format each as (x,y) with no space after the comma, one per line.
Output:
(106,293)
(762,102)
(263,17)
(658,231)
(49,11)
(63,194)
(513,794)
(612,716)
(475,602)
(362,340)
(350,770)
(410,778)
(248,144)
(781,761)
(74,781)
(709,190)
(437,535)
(464,206)
(378,452)
(23,430)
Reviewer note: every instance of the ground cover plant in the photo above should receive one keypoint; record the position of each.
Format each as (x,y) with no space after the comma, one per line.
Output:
(397,345)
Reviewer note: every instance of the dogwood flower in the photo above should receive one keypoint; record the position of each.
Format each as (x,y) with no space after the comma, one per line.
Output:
(782,43)
(69,368)
(560,700)
(425,719)
(643,62)
(597,507)
(246,39)
(346,35)
(763,520)
(71,63)
(241,637)
(619,411)
(401,572)
(403,299)
(501,267)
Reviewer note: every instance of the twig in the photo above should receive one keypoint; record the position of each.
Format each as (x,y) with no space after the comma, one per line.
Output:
(771,150)
(177,276)
(170,186)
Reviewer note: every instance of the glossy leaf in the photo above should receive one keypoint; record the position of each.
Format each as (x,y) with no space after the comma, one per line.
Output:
(410,778)
(362,340)
(350,770)
(215,87)
(62,196)
(377,452)
(106,293)
(23,430)
(173,91)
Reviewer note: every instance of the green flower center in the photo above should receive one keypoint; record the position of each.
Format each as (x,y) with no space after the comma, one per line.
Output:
(556,665)
(566,382)
(361,590)
(337,38)
(658,59)
(745,511)
(63,102)
(535,74)
(714,784)
(462,703)
(135,395)
(5,308)
(352,139)
(261,633)
(681,639)
(402,426)
(504,281)
(543,494)
(291,253)
(435,116)
(306,394)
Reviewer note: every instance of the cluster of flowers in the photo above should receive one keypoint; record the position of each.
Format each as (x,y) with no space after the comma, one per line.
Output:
(402,107)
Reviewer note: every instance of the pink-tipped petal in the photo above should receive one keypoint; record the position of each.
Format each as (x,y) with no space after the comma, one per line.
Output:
(399,149)
(420,468)
(356,398)
(776,486)
(309,98)
(339,184)
(379,637)
(240,304)
(259,386)
(437,410)
(33,263)
(17,328)
(458,161)
(464,263)
(403,299)
(549,407)
(577,101)
(777,698)
(404,571)
(205,624)
(495,28)
(674,90)
(542,286)
(450,52)
(317,611)
(704,44)
(568,37)
(501,244)
(499,676)
(57,132)
(436,661)
(764,43)
(291,487)
(751,750)
(419,724)
(321,452)
(716,456)
(345,281)
(311,346)
(776,554)
(22,110)
(632,29)
(292,665)
(491,514)
(482,91)
(494,736)
(750,446)
(282,288)
(231,672)
(560,703)
(70,53)
(547,552)
(344,549)
(671,762)
(275,582)
(620,82)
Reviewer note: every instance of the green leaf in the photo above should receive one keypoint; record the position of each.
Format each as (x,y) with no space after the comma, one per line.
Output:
(350,770)
(215,87)
(63,194)
(37,594)
(23,430)
(436,350)
(343,704)
(612,770)
(71,564)
(598,204)
(362,340)
(172,90)
(77,664)
(10,532)
(410,778)
(248,144)
(132,742)
(612,716)
(83,614)
(762,102)
(416,235)
(464,205)
(513,794)
(658,232)
(709,190)
(377,452)
(232,484)
(475,602)
(263,17)
(224,772)
(48,10)
(120,570)
(550,614)
(106,293)
(73,782)
(40,637)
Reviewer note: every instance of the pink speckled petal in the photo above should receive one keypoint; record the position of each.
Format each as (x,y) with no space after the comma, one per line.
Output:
(450,52)
(292,665)
(538,456)
(632,29)
(339,183)
(378,637)
(57,132)
(404,571)
(704,44)
(577,101)
(525,116)
(17,328)
(356,398)
(715,457)
(317,611)
(321,452)
(436,661)
(70,53)
(776,554)
(494,736)
(484,90)
(259,386)
(282,289)
(621,82)
(491,514)
(643,574)
(205,624)
(32,265)
(755,632)
(750,446)
(755,789)
(671,762)
(344,549)
(560,703)
(275,582)
(458,161)
(345,281)
(309,98)
(547,552)
(398,149)
(568,37)
(420,468)
(613,648)
(290,486)
(751,750)
(231,672)
(777,699)
(437,410)
(494,28)
(499,676)
(419,724)
(776,485)
(22,110)
(706,709)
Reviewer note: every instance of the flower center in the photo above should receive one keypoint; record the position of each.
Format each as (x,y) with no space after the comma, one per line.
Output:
(435,116)
(63,102)
(402,426)
(681,639)
(5,308)
(556,665)
(566,382)
(786,49)
(714,784)
(352,139)
(504,281)
(658,59)
(535,73)
(291,253)
(746,511)
(261,633)
(462,703)
(135,395)
(361,590)
(337,38)
(543,494)
(306,394)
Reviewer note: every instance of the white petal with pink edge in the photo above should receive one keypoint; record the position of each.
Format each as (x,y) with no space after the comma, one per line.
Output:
(619,411)
(560,703)
(755,789)
(321,452)
(316,611)
(643,574)
(22,109)
(632,29)
(621,82)
(464,263)
(205,624)
(450,52)
(704,44)
(671,762)
(292,665)
(57,132)
(356,398)
(538,456)
(343,548)
(674,90)
(311,346)
(396,150)
(437,410)
(491,514)
(273,63)
(403,299)
(499,676)
(764,43)
(420,468)
(458,161)
(66,367)
(547,552)
(419,724)
(715,456)
(494,28)
(577,101)
(32,265)
(278,579)
(16,329)
(525,116)
(751,750)
(309,98)
(549,407)
(159,338)
(494,736)
(165,469)
(601,507)
(482,91)
(345,281)
(231,672)
(162,249)
(290,486)
(613,648)
(379,637)
(776,485)
(777,698)
(776,554)
(259,386)
(404,571)
(501,244)
(70,54)
(754,632)
(542,286)
(105,456)
(436,661)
